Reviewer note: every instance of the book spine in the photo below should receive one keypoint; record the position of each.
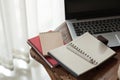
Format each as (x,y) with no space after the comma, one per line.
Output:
(40,55)
(72,47)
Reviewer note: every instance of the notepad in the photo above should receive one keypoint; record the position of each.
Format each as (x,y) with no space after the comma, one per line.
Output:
(82,54)
(50,40)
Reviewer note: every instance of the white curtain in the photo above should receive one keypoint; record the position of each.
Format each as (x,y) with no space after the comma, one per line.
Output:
(23,19)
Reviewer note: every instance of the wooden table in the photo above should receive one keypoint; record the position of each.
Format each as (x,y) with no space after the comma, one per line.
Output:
(106,71)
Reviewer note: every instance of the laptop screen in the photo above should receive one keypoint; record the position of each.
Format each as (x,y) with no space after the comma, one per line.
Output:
(79,9)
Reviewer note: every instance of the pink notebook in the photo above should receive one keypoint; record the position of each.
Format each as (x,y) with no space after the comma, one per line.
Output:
(36,45)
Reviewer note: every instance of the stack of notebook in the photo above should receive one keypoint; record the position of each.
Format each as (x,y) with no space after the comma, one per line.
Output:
(78,56)
(37,45)
(45,42)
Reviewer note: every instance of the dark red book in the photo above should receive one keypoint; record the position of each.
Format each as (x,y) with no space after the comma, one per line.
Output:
(36,45)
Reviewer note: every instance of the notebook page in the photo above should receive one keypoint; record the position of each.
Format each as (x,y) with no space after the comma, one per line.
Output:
(93,47)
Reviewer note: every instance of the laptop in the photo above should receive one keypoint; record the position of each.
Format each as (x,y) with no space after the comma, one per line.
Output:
(98,17)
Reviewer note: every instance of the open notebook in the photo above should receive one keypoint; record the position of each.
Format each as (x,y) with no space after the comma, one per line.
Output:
(82,54)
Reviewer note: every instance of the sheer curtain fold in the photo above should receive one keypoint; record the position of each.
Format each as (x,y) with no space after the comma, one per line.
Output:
(5,42)
(23,19)
(14,32)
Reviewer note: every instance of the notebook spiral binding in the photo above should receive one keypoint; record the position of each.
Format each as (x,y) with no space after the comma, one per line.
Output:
(72,47)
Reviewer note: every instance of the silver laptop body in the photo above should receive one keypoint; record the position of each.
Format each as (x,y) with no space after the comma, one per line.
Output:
(82,11)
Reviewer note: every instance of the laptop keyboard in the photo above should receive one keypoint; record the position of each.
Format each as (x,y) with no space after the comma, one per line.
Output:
(98,26)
